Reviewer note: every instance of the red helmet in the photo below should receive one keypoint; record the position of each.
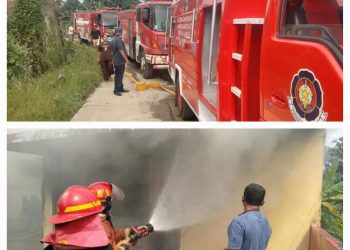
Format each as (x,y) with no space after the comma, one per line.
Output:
(75,203)
(105,189)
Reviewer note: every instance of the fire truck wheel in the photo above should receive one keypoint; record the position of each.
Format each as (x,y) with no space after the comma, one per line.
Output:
(186,112)
(146,68)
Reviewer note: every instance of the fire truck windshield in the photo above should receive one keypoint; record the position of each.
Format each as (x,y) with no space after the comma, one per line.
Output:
(160,17)
(109,20)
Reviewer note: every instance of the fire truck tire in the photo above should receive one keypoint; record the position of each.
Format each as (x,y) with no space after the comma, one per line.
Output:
(146,68)
(186,112)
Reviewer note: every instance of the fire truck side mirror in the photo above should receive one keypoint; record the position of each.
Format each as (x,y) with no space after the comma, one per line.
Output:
(138,15)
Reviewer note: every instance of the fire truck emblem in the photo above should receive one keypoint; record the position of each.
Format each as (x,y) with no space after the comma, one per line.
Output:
(306,97)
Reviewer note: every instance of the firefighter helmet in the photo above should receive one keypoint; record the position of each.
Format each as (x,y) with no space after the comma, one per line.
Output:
(105,189)
(74,203)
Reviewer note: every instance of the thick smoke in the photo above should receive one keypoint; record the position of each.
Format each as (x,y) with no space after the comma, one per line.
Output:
(204,172)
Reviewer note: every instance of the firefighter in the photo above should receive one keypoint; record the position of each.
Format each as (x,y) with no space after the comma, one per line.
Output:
(106,192)
(119,59)
(105,58)
(251,229)
(77,224)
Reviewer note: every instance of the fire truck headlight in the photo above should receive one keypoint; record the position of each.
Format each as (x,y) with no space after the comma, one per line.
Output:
(154,44)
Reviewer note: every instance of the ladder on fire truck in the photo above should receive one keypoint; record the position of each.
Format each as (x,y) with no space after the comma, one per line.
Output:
(246,52)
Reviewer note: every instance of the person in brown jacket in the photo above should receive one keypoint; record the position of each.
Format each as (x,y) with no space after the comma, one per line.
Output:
(118,238)
(105,58)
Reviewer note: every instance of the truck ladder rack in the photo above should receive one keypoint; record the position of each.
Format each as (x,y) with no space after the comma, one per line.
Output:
(239,88)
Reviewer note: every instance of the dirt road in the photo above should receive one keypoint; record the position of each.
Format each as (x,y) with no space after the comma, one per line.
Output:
(147,105)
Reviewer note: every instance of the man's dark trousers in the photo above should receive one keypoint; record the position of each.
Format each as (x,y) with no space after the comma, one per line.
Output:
(118,79)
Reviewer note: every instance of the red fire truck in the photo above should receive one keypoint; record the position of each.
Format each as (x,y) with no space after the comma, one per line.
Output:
(85,21)
(277,60)
(144,35)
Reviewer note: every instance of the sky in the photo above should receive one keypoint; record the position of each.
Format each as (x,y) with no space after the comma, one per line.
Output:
(332,134)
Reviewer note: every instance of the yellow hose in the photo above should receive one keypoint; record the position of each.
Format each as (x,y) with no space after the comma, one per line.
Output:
(147,85)
(168,90)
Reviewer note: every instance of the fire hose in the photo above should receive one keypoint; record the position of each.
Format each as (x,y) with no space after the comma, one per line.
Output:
(147,85)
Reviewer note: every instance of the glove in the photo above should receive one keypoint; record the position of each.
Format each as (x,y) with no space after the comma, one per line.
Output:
(123,245)
(139,231)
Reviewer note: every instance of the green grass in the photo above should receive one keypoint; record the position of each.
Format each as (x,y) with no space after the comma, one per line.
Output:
(48,98)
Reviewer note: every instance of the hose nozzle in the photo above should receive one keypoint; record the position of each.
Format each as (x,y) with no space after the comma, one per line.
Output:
(140,232)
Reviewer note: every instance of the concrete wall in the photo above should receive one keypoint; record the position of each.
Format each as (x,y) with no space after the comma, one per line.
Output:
(24,204)
(293,180)
(321,240)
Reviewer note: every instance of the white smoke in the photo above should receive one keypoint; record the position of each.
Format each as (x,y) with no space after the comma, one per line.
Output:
(203,174)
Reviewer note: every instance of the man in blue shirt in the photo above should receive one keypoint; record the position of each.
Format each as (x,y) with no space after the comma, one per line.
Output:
(251,229)
(119,59)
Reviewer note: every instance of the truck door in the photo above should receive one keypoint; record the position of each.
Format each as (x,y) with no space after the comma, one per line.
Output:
(301,61)
(138,42)
(209,56)
(130,37)
(171,39)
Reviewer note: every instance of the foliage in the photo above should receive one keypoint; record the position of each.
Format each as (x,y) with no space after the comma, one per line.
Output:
(71,5)
(17,59)
(58,94)
(34,39)
(24,27)
(54,53)
(68,7)
(336,152)
(332,192)
(100,4)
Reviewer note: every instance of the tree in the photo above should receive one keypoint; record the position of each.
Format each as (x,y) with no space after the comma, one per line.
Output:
(34,38)
(89,4)
(332,191)
(70,6)
(336,152)
(98,4)
(25,26)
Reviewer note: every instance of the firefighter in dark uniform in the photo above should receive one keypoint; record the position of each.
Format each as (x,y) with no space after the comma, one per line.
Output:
(77,224)
(105,58)
(119,59)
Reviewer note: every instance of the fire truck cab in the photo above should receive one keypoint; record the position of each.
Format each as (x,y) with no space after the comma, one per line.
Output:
(107,19)
(144,35)
(278,60)
(85,21)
